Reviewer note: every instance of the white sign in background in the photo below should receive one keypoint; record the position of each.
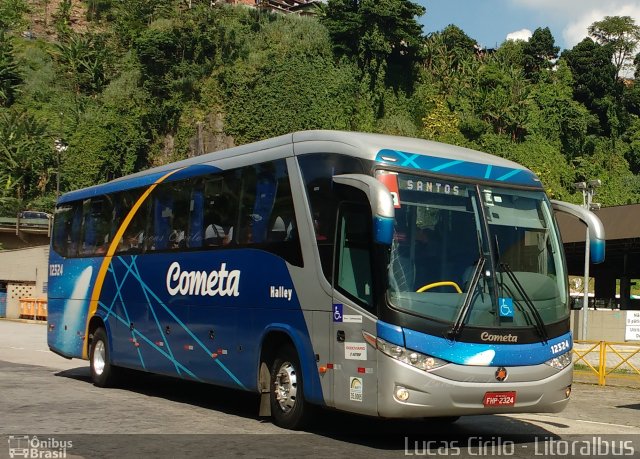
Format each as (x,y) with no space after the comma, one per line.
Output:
(632,330)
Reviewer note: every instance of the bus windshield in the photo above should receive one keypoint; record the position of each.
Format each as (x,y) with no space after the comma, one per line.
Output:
(446,231)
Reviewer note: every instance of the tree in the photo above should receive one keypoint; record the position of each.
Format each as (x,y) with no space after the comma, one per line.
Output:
(539,52)
(378,34)
(594,79)
(26,154)
(83,57)
(10,76)
(620,33)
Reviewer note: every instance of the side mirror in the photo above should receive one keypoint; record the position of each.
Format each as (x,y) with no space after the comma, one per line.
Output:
(576,303)
(380,200)
(595,226)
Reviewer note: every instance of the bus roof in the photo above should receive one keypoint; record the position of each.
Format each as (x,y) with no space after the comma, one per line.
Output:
(386,149)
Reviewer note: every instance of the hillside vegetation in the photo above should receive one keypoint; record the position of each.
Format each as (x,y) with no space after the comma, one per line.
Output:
(126,85)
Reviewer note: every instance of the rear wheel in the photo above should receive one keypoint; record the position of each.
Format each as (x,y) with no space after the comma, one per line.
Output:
(288,407)
(103,373)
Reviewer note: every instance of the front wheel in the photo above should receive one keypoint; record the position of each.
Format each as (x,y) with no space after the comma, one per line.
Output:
(103,374)
(288,407)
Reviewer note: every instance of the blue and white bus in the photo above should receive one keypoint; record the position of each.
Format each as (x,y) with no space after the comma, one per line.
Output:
(373,274)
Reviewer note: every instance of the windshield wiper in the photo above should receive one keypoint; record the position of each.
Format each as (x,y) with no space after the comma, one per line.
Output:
(458,324)
(539,323)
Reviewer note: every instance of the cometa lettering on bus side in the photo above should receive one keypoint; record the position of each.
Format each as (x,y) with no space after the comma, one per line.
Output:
(203,283)
(486,336)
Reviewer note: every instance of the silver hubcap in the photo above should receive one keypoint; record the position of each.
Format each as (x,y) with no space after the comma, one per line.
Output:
(286,387)
(99,358)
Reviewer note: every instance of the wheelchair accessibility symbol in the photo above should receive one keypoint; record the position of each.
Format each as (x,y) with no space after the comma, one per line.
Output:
(337,312)
(506,307)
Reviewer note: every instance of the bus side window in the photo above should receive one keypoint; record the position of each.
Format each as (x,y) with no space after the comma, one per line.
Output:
(134,236)
(66,228)
(353,275)
(318,170)
(195,234)
(97,215)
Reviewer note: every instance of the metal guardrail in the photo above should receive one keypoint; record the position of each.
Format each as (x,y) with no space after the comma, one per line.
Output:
(594,356)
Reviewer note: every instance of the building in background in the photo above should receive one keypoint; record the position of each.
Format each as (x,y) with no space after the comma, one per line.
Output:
(23,274)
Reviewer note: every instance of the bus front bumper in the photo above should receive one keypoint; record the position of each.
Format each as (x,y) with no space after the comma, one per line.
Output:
(456,390)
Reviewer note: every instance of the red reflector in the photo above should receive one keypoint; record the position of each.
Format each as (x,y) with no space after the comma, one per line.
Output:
(499,398)
(330,366)
(362,370)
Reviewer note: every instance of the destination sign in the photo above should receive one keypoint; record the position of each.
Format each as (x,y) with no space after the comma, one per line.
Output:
(432,186)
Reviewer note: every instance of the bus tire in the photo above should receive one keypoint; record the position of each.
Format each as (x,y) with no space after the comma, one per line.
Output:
(103,373)
(288,406)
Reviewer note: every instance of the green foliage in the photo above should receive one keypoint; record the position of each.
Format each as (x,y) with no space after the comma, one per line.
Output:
(539,52)
(12,14)
(10,76)
(594,76)
(62,19)
(136,93)
(621,34)
(26,154)
(83,58)
(288,81)
(132,17)
(384,37)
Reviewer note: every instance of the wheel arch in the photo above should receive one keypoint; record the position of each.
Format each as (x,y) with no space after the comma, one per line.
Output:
(94,323)
(277,335)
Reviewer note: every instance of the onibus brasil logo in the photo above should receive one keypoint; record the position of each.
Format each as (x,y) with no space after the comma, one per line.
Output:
(34,447)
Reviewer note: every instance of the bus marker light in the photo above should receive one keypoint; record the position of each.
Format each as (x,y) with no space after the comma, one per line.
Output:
(330,366)
(361,369)
(369,338)
(214,355)
(188,347)
(322,370)
(160,343)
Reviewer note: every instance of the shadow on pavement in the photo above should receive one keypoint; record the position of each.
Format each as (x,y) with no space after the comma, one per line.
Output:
(380,434)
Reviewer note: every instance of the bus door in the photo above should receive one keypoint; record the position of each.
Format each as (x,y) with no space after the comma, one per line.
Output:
(355,364)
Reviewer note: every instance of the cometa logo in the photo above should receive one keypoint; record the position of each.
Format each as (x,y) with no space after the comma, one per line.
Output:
(486,336)
(203,283)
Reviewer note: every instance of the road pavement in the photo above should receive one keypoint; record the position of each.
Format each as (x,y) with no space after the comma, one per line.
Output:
(51,399)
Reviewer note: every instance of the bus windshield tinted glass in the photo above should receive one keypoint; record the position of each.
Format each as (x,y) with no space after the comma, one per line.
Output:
(440,237)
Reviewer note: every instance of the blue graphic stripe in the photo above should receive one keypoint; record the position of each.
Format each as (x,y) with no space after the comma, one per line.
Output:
(177,319)
(124,307)
(446,165)
(508,175)
(155,317)
(486,354)
(488,173)
(468,169)
(153,345)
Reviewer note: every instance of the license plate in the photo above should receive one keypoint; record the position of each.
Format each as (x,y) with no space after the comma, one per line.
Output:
(499,399)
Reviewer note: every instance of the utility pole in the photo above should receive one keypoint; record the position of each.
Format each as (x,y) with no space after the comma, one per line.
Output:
(588,190)
(60,147)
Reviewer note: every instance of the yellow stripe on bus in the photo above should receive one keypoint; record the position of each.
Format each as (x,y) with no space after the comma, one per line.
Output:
(97,288)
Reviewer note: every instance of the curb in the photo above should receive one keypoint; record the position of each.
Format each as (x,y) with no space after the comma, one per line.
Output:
(24,321)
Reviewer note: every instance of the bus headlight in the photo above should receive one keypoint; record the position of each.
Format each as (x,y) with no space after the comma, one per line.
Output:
(413,358)
(560,362)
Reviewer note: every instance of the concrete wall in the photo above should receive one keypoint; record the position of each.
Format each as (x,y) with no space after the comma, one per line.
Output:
(602,325)
(24,270)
